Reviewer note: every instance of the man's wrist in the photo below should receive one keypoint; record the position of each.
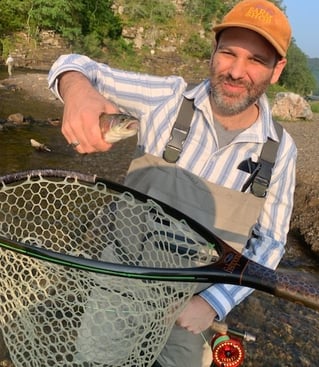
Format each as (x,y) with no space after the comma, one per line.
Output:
(71,81)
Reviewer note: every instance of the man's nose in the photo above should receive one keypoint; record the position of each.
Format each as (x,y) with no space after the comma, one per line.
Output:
(238,68)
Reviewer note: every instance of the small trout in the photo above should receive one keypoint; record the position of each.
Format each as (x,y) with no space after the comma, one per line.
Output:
(117,126)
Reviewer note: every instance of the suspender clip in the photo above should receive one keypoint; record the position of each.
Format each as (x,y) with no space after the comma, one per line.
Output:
(259,187)
(175,144)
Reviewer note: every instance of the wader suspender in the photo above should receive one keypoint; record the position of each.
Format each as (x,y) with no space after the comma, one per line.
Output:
(261,173)
(179,132)
(180,129)
(266,161)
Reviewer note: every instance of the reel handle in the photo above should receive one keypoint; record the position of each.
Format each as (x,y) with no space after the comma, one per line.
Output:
(222,328)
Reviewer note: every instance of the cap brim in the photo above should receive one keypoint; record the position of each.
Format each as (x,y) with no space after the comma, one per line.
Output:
(221,27)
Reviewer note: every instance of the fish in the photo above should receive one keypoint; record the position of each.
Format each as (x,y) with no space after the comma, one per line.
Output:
(118,126)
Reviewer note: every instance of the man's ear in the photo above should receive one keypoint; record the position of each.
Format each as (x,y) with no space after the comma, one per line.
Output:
(279,67)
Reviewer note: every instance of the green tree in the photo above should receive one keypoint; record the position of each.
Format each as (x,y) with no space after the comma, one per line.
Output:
(12,16)
(59,15)
(98,17)
(71,18)
(297,75)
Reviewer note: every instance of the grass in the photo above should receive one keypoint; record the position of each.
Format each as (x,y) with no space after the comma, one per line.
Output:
(314,107)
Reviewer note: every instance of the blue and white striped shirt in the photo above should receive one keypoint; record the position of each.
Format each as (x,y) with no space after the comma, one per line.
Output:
(155,101)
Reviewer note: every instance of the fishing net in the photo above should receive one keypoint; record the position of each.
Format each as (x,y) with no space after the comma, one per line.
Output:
(57,315)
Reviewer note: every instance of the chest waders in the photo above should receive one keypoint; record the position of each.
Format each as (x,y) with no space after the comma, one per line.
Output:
(229,214)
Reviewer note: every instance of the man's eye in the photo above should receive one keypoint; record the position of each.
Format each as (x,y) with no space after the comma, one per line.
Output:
(258,61)
(225,52)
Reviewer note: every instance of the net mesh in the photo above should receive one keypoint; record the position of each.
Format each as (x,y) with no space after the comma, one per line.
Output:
(57,315)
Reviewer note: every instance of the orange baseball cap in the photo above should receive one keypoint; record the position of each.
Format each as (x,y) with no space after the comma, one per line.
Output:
(263,17)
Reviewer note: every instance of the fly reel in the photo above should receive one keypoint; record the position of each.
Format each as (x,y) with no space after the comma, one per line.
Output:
(227,346)
(227,351)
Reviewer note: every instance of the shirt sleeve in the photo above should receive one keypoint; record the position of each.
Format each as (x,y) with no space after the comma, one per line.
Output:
(267,244)
(72,62)
(136,92)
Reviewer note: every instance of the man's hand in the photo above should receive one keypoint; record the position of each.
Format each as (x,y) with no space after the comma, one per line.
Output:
(82,108)
(197,316)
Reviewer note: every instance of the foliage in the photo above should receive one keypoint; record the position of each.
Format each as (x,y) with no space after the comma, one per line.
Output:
(314,107)
(12,16)
(71,18)
(122,55)
(273,89)
(204,10)
(297,75)
(59,15)
(156,11)
(99,18)
(314,67)
(5,47)
(197,47)
(89,45)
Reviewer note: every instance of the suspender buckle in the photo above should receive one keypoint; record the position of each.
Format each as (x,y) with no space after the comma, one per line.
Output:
(174,146)
(259,186)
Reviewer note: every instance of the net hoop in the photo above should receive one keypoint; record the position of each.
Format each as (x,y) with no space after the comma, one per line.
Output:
(52,314)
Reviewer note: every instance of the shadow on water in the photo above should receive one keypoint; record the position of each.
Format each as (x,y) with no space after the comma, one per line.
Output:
(287,334)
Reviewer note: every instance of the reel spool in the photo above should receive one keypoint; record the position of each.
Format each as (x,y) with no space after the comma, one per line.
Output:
(227,351)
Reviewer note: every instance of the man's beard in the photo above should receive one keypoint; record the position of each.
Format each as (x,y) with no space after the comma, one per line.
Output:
(230,104)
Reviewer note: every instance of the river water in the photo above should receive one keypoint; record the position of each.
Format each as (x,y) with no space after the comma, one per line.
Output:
(17,153)
(287,334)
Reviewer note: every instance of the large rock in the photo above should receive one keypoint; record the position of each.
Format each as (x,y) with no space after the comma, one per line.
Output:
(290,106)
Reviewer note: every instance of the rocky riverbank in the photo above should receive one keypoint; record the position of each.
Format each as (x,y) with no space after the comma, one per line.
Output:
(305,218)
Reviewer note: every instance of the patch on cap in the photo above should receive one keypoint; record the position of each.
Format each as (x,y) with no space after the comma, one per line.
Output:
(260,13)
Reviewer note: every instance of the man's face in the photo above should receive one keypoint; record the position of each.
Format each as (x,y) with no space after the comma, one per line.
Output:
(242,67)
